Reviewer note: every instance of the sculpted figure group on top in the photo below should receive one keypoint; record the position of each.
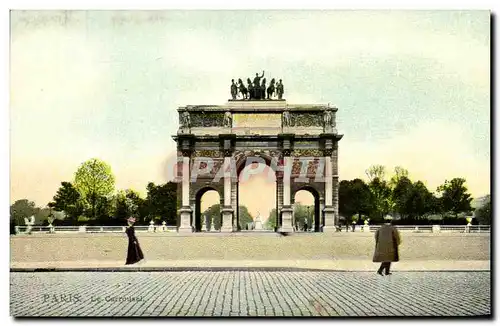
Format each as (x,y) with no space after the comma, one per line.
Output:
(257,89)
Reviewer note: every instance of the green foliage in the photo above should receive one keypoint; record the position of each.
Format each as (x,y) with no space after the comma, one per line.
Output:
(244,217)
(483,213)
(420,201)
(303,214)
(375,172)
(382,202)
(129,203)
(454,197)
(354,197)
(161,203)
(69,201)
(22,208)
(95,182)
(43,216)
(399,173)
(214,214)
(270,223)
(103,210)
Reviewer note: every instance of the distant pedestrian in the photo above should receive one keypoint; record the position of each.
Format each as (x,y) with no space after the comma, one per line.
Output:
(134,252)
(387,240)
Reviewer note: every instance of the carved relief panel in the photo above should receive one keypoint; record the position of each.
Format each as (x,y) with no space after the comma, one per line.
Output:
(208,119)
(306,120)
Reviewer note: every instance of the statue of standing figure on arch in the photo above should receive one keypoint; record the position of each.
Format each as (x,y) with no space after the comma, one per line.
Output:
(234,89)
(228,119)
(280,89)
(185,121)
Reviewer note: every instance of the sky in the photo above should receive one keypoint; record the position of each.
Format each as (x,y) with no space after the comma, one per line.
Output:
(412,89)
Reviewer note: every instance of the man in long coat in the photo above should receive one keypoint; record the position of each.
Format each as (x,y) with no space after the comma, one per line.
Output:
(387,240)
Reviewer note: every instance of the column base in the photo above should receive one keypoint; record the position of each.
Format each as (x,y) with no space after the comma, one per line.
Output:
(329,226)
(185,225)
(329,229)
(227,219)
(286,219)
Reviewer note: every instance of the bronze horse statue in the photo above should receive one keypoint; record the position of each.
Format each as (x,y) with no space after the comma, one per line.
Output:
(242,89)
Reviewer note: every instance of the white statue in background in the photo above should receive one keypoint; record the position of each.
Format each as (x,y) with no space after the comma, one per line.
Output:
(29,223)
(258,222)
(151,227)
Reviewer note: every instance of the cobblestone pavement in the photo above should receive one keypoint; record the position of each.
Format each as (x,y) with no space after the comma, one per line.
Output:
(249,293)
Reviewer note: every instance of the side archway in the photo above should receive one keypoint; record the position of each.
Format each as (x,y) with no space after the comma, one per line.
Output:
(317,218)
(198,208)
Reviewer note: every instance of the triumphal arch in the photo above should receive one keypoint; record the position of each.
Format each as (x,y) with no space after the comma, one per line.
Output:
(216,142)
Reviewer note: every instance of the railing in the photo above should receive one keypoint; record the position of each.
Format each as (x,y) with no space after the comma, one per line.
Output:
(93,229)
(466,229)
(171,228)
(437,228)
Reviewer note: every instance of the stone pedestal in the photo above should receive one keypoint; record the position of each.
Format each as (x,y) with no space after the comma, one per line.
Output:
(329,226)
(185,225)
(286,219)
(227,219)
(258,224)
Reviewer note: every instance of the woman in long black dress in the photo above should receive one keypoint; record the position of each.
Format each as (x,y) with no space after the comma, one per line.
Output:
(134,252)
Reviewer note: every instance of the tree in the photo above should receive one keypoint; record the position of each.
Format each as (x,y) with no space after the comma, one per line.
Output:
(161,203)
(103,210)
(454,197)
(21,209)
(69,201)
(483,213)
(399,173)
(375,171)
(244,217)
(420,200)
(381,199)
(303,213)
(95,181)
(354,198)
(401,193)
(271,220)
(214,214)
(42,215)
(121,206)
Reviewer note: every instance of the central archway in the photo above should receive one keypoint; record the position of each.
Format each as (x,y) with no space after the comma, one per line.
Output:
(250,165)
(258,173)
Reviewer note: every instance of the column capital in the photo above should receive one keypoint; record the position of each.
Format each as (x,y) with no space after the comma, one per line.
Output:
(227,144)
(327,152)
